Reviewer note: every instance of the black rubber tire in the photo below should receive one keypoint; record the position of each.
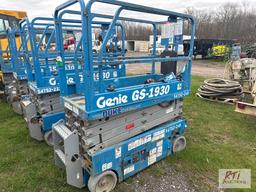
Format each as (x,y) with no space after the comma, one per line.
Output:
(48,138)
(166,104)
(98,184)
(179,144)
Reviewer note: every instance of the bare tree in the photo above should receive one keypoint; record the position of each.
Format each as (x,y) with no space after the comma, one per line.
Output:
(230,21)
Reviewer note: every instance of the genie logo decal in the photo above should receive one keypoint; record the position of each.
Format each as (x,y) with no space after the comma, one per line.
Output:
(110,102)
(71,80)
(137,95)
(52,81)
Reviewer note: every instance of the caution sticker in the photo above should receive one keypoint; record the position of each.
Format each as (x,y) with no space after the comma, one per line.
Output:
(129,169)
(118,152)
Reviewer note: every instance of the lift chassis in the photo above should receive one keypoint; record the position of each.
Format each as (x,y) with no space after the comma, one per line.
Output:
(119,161)
(114,128)
(18,63)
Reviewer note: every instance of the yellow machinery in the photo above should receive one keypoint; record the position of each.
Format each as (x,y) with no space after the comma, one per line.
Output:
(220,50)
(9,19)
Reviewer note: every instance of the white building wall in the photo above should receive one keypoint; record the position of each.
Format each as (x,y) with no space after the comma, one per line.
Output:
(141,46)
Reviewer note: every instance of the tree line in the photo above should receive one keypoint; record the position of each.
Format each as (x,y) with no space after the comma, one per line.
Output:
(230,21)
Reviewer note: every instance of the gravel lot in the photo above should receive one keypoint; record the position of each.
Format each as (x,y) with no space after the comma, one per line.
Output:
(168,180)
(204,68)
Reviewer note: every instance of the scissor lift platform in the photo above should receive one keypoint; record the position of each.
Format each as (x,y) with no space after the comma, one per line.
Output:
(101,133)
(133,93)
(116,127)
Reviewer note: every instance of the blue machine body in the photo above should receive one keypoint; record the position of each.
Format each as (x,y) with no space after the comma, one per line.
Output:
(126,93)
(133,155)
(19,64)
(45,64)
(44,58)
(6,60)
(50,119)
(103,99)
(45,78)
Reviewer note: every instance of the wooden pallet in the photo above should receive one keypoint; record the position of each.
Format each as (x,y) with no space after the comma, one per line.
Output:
(246,108)
(230,101)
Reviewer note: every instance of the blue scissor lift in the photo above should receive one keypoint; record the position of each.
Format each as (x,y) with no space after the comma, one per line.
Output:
(7,68)
(120,126)
(44,108)
(19,64)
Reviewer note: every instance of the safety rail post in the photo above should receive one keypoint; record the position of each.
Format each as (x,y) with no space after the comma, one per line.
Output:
(32,39)
(61,63)
(90,91)
(25,49)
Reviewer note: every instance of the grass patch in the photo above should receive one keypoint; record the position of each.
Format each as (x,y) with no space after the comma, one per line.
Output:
(25,164)
(217,138)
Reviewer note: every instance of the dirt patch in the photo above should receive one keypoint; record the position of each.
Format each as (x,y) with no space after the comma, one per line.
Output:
(207,68)
(204,68)
(158,178)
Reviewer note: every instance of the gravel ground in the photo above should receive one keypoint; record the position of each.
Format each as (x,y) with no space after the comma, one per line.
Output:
(207,68)
(150,180)
(204,68)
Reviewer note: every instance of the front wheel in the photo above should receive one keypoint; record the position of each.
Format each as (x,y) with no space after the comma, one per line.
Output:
(48,138)
(105,182)
(179,144)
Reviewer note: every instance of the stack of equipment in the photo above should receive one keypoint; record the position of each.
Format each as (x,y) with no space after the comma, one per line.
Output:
(116,127)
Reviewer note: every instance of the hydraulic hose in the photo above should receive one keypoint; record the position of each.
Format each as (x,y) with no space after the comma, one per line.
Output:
(220,89)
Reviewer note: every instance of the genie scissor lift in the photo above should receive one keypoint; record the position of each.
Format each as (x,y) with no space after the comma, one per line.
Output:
(117,127)
(7,69)
(19,64)
(44,107)
(14,69)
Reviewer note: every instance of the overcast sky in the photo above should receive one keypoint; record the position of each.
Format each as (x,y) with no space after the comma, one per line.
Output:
(36,8)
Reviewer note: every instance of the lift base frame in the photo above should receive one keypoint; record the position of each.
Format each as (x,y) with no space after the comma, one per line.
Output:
(125,158)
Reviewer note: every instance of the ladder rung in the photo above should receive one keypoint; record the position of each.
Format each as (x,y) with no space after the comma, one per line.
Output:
(61,156)
(62,131)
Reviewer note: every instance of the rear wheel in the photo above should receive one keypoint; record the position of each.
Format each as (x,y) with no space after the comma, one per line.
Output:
(104,182)
(179,144)
(48,138)
(166,104)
